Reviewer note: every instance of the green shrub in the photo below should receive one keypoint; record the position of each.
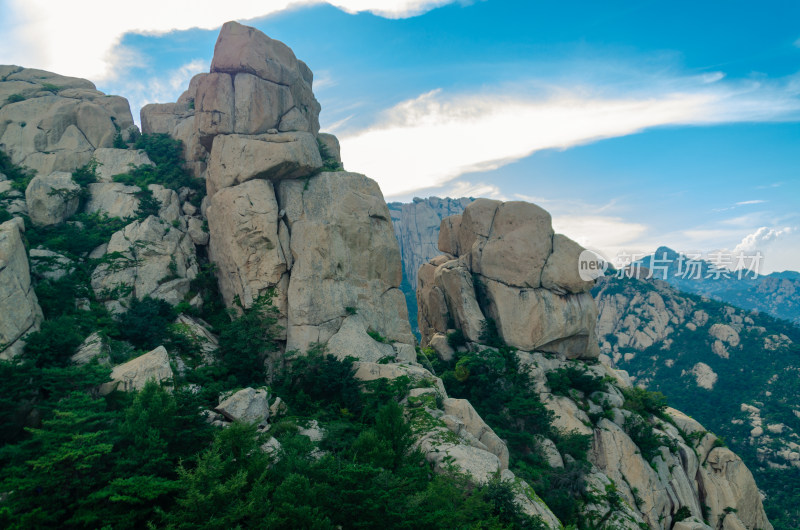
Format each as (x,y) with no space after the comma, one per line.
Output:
(168,170)
(644,402)
(574,376)
(456,339)
(19,176)
(145,323)
(377,337)
(15,98)
(683,513)
(55,342)
(245,342)
(490,335)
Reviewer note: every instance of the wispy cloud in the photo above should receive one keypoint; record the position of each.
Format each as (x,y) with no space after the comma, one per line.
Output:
(739,204)
(469,189)
(80,37)
(160,88)
(453,134)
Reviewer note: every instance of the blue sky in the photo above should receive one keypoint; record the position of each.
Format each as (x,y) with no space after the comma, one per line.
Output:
(634,124)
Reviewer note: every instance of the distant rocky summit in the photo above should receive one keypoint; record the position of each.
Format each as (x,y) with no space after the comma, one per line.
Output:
(734,369)
(777,293)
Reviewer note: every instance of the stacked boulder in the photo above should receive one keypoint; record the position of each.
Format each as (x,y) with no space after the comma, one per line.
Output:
(256,87)
(503,262)
(322,242)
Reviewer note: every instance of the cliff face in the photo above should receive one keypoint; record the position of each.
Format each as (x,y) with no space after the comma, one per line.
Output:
(501,261)
(322,242)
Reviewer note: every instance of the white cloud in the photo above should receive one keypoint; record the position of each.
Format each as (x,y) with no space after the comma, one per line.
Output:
(756,201)
(468,189)
(80,37)
(440,136)
(779,248)
(607,233)
(163,88)
(760,237)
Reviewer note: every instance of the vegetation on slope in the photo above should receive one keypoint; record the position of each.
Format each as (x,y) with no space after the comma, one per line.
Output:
(751,375)
(74,459)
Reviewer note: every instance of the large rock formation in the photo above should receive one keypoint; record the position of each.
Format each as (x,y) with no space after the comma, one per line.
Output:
(256,86)
(150,258)
(416,226)
(50,122)
(20,313)
(502,261)
(322,242)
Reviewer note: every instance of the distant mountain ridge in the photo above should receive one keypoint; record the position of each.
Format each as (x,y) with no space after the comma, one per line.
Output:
(777,294)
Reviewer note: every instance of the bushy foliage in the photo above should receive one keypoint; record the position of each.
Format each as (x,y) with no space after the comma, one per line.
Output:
(145,324)
(168,169)
(644,402)
(245,342)
(19,176)
(574,376)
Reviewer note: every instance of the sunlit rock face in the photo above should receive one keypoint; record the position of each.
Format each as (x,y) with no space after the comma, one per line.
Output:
(503,262)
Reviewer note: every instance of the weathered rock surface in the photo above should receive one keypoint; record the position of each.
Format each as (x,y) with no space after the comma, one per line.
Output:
(52,199)
(352,340)
(112,162)
(20,313)
(243,224)
(344,256)
(53,123)
(113,198)
(244,50)
(256,85)
(93,347)
(249,405)
(508,271)
(146,258)
(134,374)
(49,265)
(236,158)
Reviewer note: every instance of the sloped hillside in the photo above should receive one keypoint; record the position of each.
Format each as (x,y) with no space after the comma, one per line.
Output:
(735,371)
(777,293)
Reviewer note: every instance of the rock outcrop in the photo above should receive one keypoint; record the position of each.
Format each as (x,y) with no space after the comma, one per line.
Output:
(134,374)
(21,313)
(510,267)
(52,199)
(51,123)
(503,262)
(256,87)
(249,405)
(321,242)
(146,258)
